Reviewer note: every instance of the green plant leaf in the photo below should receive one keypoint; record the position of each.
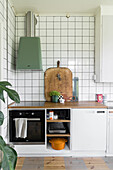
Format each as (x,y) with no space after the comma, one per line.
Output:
(1,118)
(9,156)
(2,95)
(54,93)
(11,93)
(5,83)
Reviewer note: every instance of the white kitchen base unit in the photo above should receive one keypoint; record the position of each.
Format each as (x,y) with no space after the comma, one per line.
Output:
(87,137)
(40,150)
(89,131)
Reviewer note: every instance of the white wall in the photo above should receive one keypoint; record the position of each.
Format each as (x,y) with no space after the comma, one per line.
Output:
(72,42)
(8,72)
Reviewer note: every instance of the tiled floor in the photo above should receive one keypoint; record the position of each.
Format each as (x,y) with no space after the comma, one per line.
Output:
(67,163)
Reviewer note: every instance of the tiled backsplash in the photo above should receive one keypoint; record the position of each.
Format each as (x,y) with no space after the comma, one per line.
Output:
(9,74)
(70,40)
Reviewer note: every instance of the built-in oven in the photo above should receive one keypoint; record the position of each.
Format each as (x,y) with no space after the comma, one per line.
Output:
(27,126)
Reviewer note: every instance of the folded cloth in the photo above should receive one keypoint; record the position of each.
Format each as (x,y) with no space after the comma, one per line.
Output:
(21,127)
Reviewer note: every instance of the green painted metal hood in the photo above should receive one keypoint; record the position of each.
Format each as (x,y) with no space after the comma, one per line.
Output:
(29,54)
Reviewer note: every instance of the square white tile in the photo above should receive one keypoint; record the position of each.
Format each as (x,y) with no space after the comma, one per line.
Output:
(71,40)
(71,47)
(71,32)
(42,25)
(57,25)
(49,32)
(49,46)
(49,25)
(78,39)
(57,33)
(64,32)
(71,25)
(79,33)
(49,39)
(57,39)
(78,25)
(63,25)
(64,40)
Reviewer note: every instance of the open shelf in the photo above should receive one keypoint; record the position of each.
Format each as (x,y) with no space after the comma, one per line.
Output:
(58,120)
(58,135)
(63,150)
(63,122)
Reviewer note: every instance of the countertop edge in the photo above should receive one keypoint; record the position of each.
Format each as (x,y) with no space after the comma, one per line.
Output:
(81,104)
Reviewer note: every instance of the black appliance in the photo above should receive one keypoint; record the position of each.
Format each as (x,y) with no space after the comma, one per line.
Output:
(35,126)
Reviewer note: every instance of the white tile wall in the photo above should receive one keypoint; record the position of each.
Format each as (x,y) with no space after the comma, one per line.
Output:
(9,73)
(72,42)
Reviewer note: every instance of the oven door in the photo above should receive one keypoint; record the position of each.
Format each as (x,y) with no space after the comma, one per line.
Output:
(35,130)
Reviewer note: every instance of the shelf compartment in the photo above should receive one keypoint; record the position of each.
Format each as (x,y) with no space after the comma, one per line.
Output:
(53,150)
(58,135)
(58,120)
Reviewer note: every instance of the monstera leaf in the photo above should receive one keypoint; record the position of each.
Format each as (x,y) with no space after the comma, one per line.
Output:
(11,93)
(1,118)
(9,156)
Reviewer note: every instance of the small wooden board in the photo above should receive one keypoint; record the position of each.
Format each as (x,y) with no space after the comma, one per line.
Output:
(58,79)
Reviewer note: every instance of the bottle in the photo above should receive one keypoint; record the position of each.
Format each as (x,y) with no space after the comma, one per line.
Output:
(51,113)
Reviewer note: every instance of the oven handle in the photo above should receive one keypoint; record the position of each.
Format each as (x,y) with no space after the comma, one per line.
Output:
(28,118)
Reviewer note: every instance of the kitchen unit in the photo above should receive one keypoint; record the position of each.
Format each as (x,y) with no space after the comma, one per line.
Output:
(110,133)
(104,44)
(89,130)
(59,128)
(86,128)
(71,39)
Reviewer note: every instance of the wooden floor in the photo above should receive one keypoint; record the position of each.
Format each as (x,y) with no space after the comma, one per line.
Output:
(68,163)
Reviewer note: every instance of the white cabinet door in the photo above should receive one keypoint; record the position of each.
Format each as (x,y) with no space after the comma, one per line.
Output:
(103,47)
(110,133)
(111,136)
(88,130)
(107,48)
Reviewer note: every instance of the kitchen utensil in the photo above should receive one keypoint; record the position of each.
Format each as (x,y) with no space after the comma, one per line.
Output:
(51,114)
(58,143)
(55,117)
(58,79)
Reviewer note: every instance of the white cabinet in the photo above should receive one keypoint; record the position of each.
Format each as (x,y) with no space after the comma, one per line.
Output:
(110,133)
(104,45)
(88,130)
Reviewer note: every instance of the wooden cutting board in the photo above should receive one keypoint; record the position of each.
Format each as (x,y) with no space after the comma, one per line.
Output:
(58,79)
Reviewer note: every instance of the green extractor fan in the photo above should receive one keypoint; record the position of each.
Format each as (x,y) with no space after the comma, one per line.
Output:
(29,52)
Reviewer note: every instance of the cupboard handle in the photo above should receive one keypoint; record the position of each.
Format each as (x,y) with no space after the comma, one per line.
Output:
(100,111)
(32,119)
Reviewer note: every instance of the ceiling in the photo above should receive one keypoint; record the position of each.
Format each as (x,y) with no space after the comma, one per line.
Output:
(58,6)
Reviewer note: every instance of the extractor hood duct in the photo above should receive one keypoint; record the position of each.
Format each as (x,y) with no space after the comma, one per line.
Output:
(29,52)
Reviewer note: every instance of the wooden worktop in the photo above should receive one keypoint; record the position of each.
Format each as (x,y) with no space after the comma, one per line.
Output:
(80,104)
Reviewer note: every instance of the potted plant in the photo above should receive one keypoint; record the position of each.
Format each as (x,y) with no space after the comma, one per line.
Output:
(55,95)
(9,155)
